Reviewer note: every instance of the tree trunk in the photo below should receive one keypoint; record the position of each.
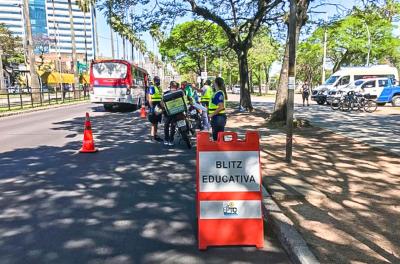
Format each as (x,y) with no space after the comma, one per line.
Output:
(123,47)
(95,31)
(34,84)
(259,80)
(245,99)
(84,22)
(251,81)
(267,79)
(111,29)
(279,113)
(74,59)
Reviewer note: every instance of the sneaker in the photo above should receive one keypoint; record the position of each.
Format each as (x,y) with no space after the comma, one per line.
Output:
(170,143)
(166,143)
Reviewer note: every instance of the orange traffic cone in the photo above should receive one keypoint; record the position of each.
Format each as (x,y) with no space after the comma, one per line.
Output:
(88,142)
(143,112)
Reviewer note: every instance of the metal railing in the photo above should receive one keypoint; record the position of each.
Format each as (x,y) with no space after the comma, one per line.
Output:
(21,100)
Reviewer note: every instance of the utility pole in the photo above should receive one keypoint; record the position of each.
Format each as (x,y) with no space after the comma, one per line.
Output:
(220,64)
(324,59)
(205,63)
(292,79)
(2,85)
(35,86)
(369,43)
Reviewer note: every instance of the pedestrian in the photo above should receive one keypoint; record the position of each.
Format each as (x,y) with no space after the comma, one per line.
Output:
(169,120)
(305,92)
(216,108)
(189,91)
(155,113)
(206,94)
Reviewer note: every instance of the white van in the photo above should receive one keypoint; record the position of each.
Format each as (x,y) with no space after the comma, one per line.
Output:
(348,75)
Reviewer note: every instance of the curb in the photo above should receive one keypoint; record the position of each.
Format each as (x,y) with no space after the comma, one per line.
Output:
(40,108)
(293,243)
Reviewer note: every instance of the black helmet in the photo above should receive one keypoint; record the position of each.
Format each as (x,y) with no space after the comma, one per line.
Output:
(157,80)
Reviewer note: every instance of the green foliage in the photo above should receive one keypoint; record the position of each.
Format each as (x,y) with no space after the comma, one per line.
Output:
(125,31)
(189,42)
(348,43)
(264,52)
(11,46)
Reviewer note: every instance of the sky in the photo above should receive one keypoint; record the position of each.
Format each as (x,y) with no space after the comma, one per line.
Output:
(104,30)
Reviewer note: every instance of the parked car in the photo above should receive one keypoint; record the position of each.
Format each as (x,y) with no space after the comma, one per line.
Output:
(389,94)
(26,89)
(236,89)
(13,89)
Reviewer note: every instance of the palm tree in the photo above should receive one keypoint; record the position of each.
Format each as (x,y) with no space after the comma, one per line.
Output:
(86,6)
(74,59)
(157,37)
(109,4)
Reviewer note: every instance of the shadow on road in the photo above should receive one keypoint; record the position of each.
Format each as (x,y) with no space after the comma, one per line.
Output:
(132,202)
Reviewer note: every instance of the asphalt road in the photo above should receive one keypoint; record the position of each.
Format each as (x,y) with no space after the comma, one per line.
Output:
(132,202)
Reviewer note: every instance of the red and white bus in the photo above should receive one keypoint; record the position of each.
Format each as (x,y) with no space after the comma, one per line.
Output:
(117,83)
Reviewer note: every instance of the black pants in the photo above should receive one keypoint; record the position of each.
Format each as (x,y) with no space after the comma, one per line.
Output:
(169,128)
(305,97)
(218,123)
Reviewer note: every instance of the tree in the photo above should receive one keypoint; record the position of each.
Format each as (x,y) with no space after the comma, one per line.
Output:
(348,43)
(279,113)
(11,46)
(34,78)
(41,44)
(309,60)
(85,6)
(264,52)
(189,42)
(239,19)
(73,43)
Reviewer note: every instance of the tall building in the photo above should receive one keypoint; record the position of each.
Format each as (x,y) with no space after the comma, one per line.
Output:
(50,19)
(11,16)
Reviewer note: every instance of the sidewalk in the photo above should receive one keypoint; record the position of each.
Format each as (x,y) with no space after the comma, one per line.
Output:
(343,196)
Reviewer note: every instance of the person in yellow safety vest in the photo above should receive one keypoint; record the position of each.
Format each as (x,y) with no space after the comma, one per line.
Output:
(216,108)
(206,94)
(155,111)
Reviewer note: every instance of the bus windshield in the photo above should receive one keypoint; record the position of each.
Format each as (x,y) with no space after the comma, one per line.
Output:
(110,70)
(332,79)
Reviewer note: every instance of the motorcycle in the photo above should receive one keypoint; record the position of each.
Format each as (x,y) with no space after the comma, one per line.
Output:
(183,128)
(195,119)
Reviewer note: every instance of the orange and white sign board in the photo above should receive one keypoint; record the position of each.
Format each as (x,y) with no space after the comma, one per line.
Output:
(229,208)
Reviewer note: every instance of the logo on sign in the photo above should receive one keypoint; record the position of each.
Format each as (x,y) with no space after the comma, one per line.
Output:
(230,209)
